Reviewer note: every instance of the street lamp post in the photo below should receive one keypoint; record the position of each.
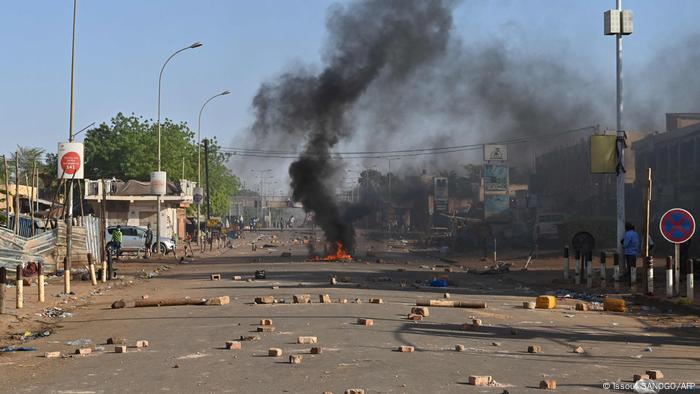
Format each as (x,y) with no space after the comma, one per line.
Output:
(199,154)
(69,224)
(158,193)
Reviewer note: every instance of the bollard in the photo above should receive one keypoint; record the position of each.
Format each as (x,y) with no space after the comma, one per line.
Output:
(677,271)
(66,276)
(40,282)
(689,281)
(110,266)
(649,264)
(577,268)
(3,287)
(91,268)
(616,271)
(104,272)
(20,288)
(669,276)
(589,270)
(566,263)
(603,271)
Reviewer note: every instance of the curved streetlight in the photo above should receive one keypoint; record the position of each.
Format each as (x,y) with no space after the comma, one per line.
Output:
(160,82)
(199,150)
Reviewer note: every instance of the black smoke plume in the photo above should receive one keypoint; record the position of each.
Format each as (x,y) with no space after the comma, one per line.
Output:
(369,41)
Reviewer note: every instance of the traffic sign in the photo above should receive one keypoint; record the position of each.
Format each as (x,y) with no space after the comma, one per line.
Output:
(677,225)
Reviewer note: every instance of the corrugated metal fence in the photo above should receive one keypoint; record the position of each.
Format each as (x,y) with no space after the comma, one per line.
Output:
(93,227)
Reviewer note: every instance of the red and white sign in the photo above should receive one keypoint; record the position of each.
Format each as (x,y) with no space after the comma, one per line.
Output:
(677,225)
(70,160)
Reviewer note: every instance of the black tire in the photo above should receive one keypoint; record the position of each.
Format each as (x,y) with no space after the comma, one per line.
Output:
(163,249)
(112,249)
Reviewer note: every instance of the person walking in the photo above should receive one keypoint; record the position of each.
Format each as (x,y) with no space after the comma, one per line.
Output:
(148,241)
(630,246)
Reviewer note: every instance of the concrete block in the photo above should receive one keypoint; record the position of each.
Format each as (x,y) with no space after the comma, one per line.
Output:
(302,298)
(237,277)
(215,277)
(637,377)
(476,380)
(459,348)
(413,316)
(365,322)
(296,359)
(546,302)
(582,306)
(316,350)
(120,349)
(534,349)
(614,305)
(406,349)
(528,305)
(355,391)
(266,328)
(265,300)
(325,299)
(83,351)
(218,301)
(52,354)
(421,310)
(265,322)
(655,374)
(579,350)
(548,384)
(307,340)
(274,352)
(376,301)
(142,343)
(233,345)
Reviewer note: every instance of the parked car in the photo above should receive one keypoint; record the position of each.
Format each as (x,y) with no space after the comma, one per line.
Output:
(134,240)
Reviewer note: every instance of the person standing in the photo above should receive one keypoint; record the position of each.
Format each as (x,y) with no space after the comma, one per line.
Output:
(148,241)
(630,246)
(117,238)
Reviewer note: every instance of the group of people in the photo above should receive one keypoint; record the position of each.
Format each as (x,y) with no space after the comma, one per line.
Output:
(281,224)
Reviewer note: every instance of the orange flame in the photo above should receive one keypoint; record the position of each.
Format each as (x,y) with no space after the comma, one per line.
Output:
(339,255)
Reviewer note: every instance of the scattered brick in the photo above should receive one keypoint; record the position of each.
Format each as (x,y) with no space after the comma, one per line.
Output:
(495,344)
(355,391)
(446,295)
(307,340)
(266,329)
(274,352)
(413,316)
(548,384)
(302,299)
(406,349)
(325,299)
(316,350)
(475,380)
(376,301)
(237,277)
(142,343)
(265,300)
(655,374)
(459,348)
(52,354)
(144,297)
(582,306)
(218,301)
(476,322)
(233,345)
(358,301)
(120,349)
(343,300)
(215,277)
(579,350)
(637,377)
(265,322)
(528,305)
(249,338)
(421,310)
(83,351)
(296,359)
(334,281)
(365,322)
(534,349)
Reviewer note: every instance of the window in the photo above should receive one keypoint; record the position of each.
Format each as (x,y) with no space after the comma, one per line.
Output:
(129,232)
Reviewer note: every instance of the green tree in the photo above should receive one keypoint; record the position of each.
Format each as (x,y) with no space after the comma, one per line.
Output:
(126,148)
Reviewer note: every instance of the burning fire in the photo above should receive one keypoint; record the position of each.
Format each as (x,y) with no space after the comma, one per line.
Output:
(340,254)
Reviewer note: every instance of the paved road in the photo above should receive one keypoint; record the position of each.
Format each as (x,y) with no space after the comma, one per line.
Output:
(186,352)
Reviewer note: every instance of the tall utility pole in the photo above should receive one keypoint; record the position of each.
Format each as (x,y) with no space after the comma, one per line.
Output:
(618,22)
(161,175)
(69,223)
(206,177)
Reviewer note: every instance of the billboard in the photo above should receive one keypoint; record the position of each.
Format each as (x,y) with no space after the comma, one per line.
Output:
(495,177)
(70,160)
(603,154)
(495,152)
(497,207)
(441,198)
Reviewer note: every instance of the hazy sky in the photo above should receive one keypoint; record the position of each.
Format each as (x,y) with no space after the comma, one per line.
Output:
(121,46)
